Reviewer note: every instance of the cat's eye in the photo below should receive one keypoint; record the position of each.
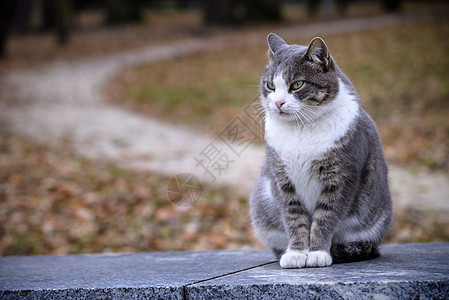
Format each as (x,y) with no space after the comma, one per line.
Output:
(270,86)
(296,85)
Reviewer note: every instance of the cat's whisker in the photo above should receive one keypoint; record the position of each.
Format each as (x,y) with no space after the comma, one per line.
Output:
(255,106)
(259,116)
(255,102)
(310,110)
(304,121)
(298,116)
(256,115)
(312,106)
(304,113)
(260,126)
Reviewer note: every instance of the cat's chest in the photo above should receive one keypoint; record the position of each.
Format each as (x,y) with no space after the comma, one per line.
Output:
(299,150)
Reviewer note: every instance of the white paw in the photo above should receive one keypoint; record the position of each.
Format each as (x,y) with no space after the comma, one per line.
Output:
(318,259)
(293,259)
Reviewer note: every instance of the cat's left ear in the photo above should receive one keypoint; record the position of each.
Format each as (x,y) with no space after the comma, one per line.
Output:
(275,42)
(318,53)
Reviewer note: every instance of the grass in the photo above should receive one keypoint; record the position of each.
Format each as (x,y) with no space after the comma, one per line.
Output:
(205,90)
(401,73)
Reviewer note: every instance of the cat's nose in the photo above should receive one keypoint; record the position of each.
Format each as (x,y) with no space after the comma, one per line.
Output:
(279,103)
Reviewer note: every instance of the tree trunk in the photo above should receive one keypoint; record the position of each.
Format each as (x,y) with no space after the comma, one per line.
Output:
(235,12)
(122,11)
(63,20)
(7,9)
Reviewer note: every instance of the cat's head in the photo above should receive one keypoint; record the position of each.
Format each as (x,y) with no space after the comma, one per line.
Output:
(299,82)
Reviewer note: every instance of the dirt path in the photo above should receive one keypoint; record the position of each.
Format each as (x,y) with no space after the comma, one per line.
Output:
(65,102)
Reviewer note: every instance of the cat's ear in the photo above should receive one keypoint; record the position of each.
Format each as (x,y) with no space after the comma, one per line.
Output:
(318,53)
(275,42)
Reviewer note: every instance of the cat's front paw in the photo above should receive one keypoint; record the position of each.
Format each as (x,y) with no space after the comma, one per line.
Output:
(293,259)
(318,259)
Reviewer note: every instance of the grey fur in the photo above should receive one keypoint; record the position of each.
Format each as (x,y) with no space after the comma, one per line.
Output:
(353,173)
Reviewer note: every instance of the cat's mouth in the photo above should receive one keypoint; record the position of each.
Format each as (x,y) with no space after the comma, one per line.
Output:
(284,115)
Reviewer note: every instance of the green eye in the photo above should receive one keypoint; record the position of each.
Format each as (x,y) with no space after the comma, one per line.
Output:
(296,85)
(270,86)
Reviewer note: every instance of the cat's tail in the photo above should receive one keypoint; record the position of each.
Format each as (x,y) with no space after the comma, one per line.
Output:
(354,251)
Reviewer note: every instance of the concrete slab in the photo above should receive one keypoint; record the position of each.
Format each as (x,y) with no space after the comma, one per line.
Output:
(118,276)
(408,271)
(405,271)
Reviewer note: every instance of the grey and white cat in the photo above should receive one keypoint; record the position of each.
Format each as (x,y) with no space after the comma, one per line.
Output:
(322,195)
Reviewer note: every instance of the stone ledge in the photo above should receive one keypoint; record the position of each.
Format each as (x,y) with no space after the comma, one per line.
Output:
(403,271)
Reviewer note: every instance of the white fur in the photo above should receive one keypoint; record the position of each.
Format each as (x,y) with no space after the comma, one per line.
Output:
(293,259)
(300,144)
(281,92)
(318,259)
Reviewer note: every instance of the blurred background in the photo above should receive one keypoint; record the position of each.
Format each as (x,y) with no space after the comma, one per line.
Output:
(103,102)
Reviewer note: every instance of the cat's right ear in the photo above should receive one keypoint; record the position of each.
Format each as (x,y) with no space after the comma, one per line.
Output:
(318,53)
(275,43)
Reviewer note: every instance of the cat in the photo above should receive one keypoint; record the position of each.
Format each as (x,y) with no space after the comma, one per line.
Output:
(322,196)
